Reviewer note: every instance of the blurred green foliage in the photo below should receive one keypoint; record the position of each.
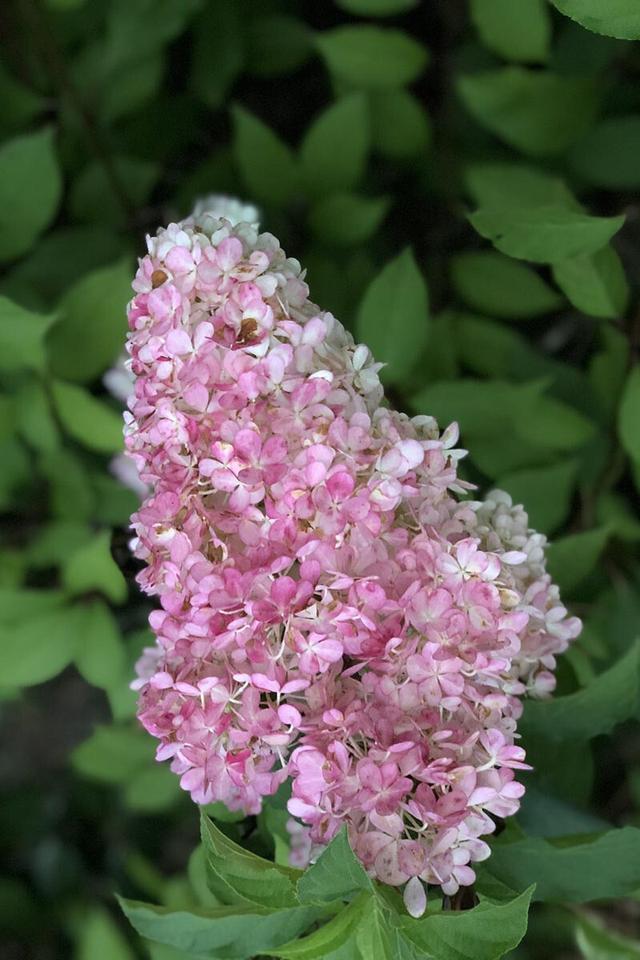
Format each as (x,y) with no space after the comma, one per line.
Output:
(460,179)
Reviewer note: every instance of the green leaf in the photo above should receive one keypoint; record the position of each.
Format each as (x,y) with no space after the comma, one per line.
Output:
(56,541)
(629,415)
(537,112)
(520,32)
(138,28)
(113,754)
(100,653)
(336,875)
(608,368)
(576,869)
(346,219)
(38,647)
(87,199)
(606,156)
(484,933)
(89,421)
(613,18)
(514,184)
(127,91)
(70,494)
(500,287)
(114,503)
(376,8)
(545,815)
(276,45)
(375,938)
(236,932)
(218,811)
(545,234)
(21,337)
(267,165)
(595,283)
(597,943)
(91,330)
(58,262)
(92,567)
(100,937)
(487,348)
(393,318)
(487,411)
(545,492)
(400,124)
(34,418)
(338,932)
(153,789)
(334,151)
(212,77)
(17,605)
(573,558)
(610,698)
(238,876)
(372,57)
(612,509)
(30,189)
(20,105)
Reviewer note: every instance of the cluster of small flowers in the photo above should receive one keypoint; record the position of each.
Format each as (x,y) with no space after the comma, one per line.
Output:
(329,611)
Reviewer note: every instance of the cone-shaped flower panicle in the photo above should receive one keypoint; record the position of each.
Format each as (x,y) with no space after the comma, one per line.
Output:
(330,610)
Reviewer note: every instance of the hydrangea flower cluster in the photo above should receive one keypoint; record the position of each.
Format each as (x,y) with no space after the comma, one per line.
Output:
(330,611)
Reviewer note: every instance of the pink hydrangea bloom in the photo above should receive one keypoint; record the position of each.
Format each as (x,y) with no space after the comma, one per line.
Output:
(329,610)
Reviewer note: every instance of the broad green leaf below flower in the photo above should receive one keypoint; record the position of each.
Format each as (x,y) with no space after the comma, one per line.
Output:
(335,875)
(236,875)
(336,934)
(237,932)
(485,933)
